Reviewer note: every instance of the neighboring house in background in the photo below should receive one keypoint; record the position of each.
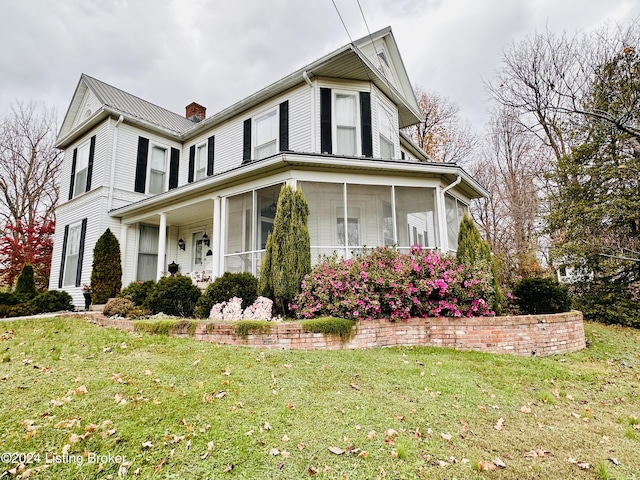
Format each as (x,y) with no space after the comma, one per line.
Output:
(202,192)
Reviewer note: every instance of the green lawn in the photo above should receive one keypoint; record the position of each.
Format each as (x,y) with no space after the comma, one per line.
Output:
(71,391)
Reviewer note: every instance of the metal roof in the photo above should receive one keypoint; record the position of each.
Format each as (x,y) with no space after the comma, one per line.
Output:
(135,106)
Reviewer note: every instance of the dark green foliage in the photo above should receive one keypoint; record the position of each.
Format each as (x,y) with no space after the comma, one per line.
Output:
(166,326)
(473,250)
(241,285)
(26,285)
(340,327)
(8,298)
(606,302)
(246,327)
(120,306)
(52,301)
(288,252)
(17,310)
(539,295)
(174,296)
(106,274)
(138,292)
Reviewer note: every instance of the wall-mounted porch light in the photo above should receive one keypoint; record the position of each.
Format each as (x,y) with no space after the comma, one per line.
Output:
(205,239)
(181,244)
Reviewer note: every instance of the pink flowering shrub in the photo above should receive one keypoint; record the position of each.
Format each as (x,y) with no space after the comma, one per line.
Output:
(387,284)
(260,310)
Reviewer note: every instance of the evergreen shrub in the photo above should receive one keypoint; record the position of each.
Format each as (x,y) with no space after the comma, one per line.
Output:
(540,295)
(120,306)
(52,301)
(241,285)
(138,292)
(106,274)
(174,296)
(26,285)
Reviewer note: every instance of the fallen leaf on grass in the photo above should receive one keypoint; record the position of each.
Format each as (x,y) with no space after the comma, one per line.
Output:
(499,424)
(312,470)
(525,409)
(354,386)
(285,454)
(538,452)
(147,444)
(446,436)
(267,426)
(285,438)
(336,450)
(485,466)
(291,406)
(614,461)
(371,435)
(274,451)
(81,390)
(301,446)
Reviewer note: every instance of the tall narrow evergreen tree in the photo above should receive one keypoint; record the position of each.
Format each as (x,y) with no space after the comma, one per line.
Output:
(26,285)
(288,251)
(106,274)
(472,250)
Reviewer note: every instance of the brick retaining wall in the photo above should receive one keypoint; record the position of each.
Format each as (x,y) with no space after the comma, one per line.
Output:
(538,335)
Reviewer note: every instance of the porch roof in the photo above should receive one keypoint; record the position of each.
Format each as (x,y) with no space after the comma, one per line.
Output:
(189,200)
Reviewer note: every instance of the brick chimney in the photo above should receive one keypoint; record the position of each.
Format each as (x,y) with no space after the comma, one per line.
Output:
(196,113)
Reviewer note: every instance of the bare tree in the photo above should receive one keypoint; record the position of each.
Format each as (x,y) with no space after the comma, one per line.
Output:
(442,134)
(29,165)
(510,165)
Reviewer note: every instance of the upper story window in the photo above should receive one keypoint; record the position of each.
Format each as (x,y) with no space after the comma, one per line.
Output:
(82,167)
(346,124)
(201,161)
(157,170)
(72,253)
(385,122)
(266,135)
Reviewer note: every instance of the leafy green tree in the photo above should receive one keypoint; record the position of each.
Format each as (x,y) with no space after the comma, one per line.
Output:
(288,251)
(594,213)
(473,251)
(106,274)
(26,285)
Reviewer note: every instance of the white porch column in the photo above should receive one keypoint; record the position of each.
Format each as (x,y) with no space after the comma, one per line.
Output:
(216,238)
(124,230)
(162,245)
(441,212)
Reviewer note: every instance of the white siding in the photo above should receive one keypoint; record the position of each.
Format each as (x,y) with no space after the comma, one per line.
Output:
(127,152)
(90,104)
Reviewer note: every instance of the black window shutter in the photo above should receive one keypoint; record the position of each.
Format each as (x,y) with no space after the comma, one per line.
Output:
(92,151)
(211,144)
(246,141)
(174,165)
(192,162)
(141,165)
(325,121)
(365,128)
(83,232)
(284,126)
(73,173)
(402,157)
(64,254)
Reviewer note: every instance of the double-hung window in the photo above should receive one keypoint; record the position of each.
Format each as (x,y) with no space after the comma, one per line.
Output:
(346,123)
(82,170)
(266,135)
(158,170)
(385,122)
(72,254)
(201,161)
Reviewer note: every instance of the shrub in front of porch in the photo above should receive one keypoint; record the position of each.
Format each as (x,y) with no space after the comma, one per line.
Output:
(174,296)
(241,285)
(386,284)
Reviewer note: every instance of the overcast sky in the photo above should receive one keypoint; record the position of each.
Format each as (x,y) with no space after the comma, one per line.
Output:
(217,52)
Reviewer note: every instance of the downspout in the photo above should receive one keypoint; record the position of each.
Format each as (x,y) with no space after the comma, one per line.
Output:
(307,79)
(442,214)
(113,163)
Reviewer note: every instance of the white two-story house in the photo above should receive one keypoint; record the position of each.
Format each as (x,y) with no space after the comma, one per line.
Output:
(201,192)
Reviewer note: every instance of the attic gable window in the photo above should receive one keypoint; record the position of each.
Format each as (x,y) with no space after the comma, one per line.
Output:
(157,170)
(266,135)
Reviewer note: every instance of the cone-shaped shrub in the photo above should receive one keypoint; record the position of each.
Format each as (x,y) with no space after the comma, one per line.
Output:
(473,250)
(106,274)
(26,285)
(288,251)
